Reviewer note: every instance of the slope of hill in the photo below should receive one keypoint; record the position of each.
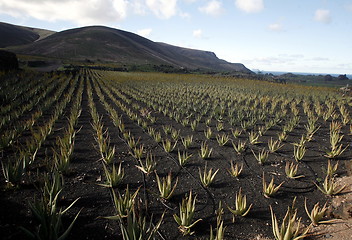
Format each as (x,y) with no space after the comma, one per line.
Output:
(98,43)
(13,35)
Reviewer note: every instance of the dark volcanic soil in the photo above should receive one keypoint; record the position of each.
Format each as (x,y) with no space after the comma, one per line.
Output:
(96,201)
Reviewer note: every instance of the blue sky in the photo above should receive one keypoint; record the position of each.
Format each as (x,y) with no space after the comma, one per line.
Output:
(271,35)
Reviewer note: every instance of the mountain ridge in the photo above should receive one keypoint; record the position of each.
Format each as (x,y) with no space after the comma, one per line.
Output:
(105,44)
(13,35)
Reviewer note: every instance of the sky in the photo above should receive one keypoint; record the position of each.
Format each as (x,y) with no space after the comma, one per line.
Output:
(269,35)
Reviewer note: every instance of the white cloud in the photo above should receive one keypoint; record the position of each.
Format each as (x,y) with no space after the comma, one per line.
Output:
(250,6)
(144,32)
(320,59)
(88,12)
(198,33)
(213,8)
(349,7)
(163,8)
(322,15)
(138,7)
(281,59)
(185,15)
(80,12)
(276,27)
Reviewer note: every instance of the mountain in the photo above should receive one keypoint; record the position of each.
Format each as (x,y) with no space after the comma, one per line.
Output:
(13,35)
(104,44)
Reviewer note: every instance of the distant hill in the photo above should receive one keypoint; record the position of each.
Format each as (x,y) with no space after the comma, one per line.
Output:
(98,43)
(13,35)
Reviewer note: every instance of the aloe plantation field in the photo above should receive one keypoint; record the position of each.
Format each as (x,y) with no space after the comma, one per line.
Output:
(116,155)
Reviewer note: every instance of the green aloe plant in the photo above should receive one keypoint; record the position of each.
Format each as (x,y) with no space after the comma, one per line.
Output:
(241,208)
(317,214)
(331,170)
(149,165)
(50,219)
(208,133)
(235,170)
(274,146)
(205,151)
(183,158)
(220,232)
(236,132)
(187,141)
(113,178)
(270,190)
(168,146)
(137,152)
(207,177)
(299,152)
(222,139)
(291,170)
(253,137)
(14,171)
(123,204)
(329,186)
(240,147)
(186,215)
(136,228)
(262,156)
(290,228)
(165,186)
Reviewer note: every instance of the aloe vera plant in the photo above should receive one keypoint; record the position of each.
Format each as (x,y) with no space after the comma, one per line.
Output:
(235,169)
(282,136)
(194,125)
(331,170)
(14,171)
(157,137)
(222,139)
(123,203)
(132,143)
(208,133)
(205,151)
(335,152)
(113,178)
(240,147)
(219,126)
(53,185)
(183,158)
(253,137)
(270,190)
(207,177)
(317,214)
(241,208)
(236,132)
(187,141)
(299,152)
(262,156)
(219,233)
(186,214)
(49,217)
(274,146)
(137,152)
(330,187)
(168,146)
(291,170)
(167,129)
(290,228)
(149,165)
(135,227)
(165,186)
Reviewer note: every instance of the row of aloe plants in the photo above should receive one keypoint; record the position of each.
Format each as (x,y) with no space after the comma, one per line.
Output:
(45,209)
(290,167)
